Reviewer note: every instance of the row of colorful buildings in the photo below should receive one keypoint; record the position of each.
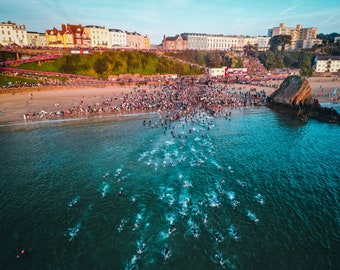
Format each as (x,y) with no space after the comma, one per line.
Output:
(72,36)
(92,36)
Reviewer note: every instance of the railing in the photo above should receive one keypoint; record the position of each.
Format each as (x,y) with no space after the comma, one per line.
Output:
(31,59)
(45,73)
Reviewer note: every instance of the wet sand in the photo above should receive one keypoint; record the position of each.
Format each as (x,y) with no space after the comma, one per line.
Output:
(14,106)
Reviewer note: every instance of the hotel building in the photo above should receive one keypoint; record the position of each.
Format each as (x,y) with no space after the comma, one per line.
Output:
(11,33)
(99,36)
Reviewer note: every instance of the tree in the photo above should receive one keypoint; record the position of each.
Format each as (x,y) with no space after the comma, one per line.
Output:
(325,41)
(291,60)
(101,65)
(237,62)
(251,50)
(279,42)
(268,59)
(227,60)
(214,59)
(329,37)
(305,63)
(71,64)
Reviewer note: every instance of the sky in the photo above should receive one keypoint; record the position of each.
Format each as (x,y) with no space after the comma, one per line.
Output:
(157,18)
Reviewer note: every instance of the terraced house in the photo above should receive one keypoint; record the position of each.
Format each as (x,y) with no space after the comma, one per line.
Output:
(135,41)
(118,38)
(176,43)
(99,36)
(11,33)
(70,36)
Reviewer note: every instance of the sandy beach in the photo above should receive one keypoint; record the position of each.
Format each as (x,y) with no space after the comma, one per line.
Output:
(14,106)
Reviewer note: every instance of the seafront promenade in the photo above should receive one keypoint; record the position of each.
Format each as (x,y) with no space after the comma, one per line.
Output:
(81,101)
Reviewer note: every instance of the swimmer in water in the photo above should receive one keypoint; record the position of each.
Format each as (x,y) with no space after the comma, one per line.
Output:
(232,233)
(133,263)
(234,203)
(172,228)
(137,222)
(218,236)
(252,217)
(195,231)
(166,253)
(21,253)
(220,259)
(74,201)
(121,225)
(73,232)
(140,247)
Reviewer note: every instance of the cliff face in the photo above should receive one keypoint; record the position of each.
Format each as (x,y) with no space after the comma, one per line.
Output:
(294,97)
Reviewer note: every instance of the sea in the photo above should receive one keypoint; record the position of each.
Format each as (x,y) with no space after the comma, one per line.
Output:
(256,190)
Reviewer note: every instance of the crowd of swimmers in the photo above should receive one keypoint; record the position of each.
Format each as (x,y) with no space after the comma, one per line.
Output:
(179,99)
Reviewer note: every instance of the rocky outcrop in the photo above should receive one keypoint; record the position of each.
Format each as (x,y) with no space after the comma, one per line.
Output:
(295,97)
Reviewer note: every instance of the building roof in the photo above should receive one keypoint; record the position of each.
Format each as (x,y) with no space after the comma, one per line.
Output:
(176,38)
(95,26)
(132,33)
(53,31)
(116,30)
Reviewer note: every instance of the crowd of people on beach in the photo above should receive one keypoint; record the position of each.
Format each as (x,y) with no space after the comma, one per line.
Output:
(178,99)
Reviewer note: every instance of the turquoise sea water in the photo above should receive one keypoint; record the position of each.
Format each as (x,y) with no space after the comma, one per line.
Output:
(259,191)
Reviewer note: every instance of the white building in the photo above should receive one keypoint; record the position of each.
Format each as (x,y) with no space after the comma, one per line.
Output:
(99,36)
(216,72)
(327,64)
(226,72)
(36,39)
(11,33)
(118,38)
(263,43)
(224,43)
(196,41)
(307,43)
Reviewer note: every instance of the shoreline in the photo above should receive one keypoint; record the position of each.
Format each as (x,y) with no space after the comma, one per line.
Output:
(74,120)
(13,107)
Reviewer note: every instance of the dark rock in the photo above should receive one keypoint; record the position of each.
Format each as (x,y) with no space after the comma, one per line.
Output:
(294,97)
